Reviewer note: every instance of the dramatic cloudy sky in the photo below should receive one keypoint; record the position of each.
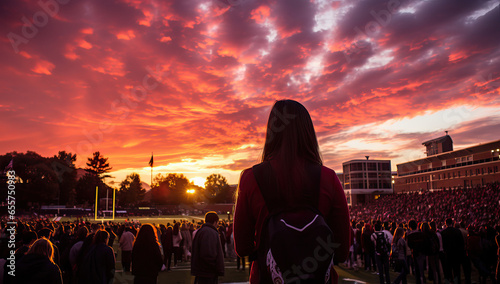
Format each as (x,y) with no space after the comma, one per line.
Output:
(193,81)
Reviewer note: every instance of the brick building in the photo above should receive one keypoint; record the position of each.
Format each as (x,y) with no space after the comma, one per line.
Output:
(447,168)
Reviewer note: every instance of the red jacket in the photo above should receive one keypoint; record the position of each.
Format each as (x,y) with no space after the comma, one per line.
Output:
(251,212)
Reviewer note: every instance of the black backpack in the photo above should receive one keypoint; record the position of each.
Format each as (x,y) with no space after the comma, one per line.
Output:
(382,247)
(296,244)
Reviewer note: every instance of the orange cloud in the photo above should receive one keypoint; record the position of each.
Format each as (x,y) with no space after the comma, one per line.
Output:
(460,55)
(43,67)
(87,31)
(110,65)
(261,14)
(126,35)
(84,44)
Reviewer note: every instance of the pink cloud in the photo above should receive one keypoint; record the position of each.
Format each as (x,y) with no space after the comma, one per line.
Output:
(43,67)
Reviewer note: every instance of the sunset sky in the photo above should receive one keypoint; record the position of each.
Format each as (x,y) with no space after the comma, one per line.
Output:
(193,81)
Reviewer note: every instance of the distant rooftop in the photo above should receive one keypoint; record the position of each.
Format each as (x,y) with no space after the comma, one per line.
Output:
(439,145)
(437,140)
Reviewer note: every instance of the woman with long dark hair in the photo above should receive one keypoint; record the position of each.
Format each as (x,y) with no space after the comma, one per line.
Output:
(291,149)
(146,256)
(398,253)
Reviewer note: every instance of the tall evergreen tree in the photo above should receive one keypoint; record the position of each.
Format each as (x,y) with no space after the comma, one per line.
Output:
(98,165)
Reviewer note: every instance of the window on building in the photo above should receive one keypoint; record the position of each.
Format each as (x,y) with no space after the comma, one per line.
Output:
(360,185)
(384,175)
(356,167)
(384,167)
(384,184)
(495,169)
(372,166)
(357,175)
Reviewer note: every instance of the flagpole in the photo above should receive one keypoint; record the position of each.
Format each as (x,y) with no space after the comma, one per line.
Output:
(96,200)
(151,171)
(114,199)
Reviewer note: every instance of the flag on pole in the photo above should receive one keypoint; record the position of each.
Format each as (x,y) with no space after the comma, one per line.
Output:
(151,161)
(11,165)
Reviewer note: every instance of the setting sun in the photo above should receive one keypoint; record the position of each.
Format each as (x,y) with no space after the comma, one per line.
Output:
(199,181)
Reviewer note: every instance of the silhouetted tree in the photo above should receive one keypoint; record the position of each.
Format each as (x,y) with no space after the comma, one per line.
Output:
(63,165)
(36,182)
(170,189)
(97,169)
(217,189)
(98,165)
(85,188)
(131,191)
(68,158)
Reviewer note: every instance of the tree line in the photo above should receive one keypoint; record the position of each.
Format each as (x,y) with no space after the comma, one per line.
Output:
(56,181)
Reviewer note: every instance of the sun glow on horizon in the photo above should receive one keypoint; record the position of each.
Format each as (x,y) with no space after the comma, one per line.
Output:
(199,181)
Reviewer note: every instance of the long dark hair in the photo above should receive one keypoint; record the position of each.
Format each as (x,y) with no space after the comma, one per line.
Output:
(176,229)
(100,237)
(398,234)
(290,144)
(146,235)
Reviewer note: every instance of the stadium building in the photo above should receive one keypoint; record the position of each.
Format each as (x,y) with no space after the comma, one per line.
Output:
(365,180)
(444,168)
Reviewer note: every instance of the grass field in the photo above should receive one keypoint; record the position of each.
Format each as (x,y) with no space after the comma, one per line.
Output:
(181,274)
(153,220)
